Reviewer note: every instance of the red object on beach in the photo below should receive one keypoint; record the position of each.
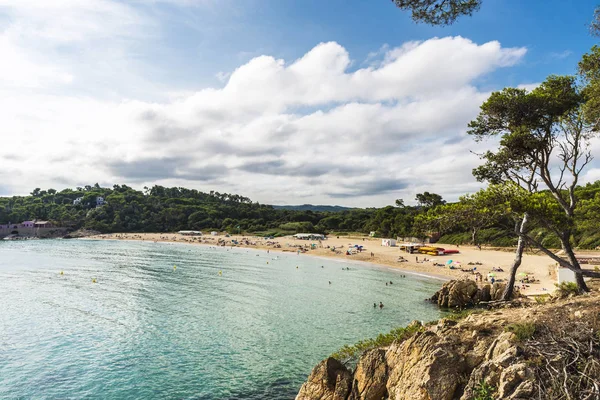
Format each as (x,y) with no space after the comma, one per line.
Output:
(451,251)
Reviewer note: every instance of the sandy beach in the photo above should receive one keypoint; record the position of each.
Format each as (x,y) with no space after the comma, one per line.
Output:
(539,267)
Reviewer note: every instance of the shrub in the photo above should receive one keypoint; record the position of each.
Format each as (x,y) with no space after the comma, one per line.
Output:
(462,314)
(484,391)
(565,289)
(398,334)
(542,299)
(523,330)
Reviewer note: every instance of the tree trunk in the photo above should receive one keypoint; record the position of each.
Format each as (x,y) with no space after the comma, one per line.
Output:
(568,249)
(473,235)
(508,291)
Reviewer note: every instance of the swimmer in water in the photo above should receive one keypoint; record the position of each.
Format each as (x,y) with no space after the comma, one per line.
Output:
(374,305)
(380,305)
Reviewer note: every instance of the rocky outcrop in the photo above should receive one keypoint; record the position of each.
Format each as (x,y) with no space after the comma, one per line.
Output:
(484,355)
(370,376)
(443,362)
(81,233)
(329,380)
(466,293)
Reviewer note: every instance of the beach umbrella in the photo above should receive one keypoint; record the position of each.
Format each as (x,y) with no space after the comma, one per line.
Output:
(448,262)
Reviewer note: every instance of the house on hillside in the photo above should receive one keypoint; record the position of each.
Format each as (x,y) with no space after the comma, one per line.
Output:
(77,201)
(42,224)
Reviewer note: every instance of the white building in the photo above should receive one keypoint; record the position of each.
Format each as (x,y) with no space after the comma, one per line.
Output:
(388,242)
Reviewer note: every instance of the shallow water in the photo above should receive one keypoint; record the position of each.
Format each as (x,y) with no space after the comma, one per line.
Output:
(148,330)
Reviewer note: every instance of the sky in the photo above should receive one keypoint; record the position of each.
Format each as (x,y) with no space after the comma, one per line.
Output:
(343,102)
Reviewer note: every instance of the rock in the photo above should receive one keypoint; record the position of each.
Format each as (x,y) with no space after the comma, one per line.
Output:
(456,294)
(496,291)
(81,233)
(329,380)
(424,368)
(516,381)
(490,371)
(484,293)
(370,376)
(466,293)
(502,343)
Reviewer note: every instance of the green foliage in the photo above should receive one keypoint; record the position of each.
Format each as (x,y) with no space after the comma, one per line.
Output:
(383,339)
(461,314)
(161,209)
(565,289)
(497,237)
(523,330)
(438,12)
(484,391)
(426,199)
(542,299)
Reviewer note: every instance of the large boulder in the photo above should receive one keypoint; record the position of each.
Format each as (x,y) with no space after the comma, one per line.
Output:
(465,293)
(457,294)
(329,380)
(370,376)
(497,290)
(425,367)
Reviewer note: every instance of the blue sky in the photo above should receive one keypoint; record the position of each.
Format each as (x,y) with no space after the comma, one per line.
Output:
(286,102)
(219,36)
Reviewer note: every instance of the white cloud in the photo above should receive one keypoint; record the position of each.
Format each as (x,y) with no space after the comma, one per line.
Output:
(311,130)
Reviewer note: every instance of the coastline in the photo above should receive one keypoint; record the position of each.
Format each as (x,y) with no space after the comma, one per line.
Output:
(358,263)
(375,255)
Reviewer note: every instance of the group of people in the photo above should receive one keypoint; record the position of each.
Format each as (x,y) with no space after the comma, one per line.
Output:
(380,305)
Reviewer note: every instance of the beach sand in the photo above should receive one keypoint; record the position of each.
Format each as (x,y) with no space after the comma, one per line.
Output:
(539,266)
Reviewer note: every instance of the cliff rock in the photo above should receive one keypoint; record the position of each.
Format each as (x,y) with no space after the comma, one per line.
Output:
(478,357)
(466,293)
(329,380)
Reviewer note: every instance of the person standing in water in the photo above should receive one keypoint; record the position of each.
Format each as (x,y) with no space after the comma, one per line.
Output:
(380,304)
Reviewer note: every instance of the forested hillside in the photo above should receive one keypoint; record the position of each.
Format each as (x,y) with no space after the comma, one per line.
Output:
(161,209)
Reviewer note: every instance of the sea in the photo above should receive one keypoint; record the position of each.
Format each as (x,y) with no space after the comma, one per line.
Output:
(103,319)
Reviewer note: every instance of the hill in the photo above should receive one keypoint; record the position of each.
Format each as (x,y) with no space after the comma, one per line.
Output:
(310,207)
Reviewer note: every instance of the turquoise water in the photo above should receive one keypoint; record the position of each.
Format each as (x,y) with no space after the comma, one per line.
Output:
(145,330)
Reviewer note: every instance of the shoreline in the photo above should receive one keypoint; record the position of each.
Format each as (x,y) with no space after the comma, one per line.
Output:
(367,264)
(485,261)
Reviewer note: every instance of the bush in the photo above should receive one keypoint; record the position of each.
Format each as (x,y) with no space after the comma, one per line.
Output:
(398,334)
(462,314)
(542,299)
(523,330)
(484,391)
(565,289)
